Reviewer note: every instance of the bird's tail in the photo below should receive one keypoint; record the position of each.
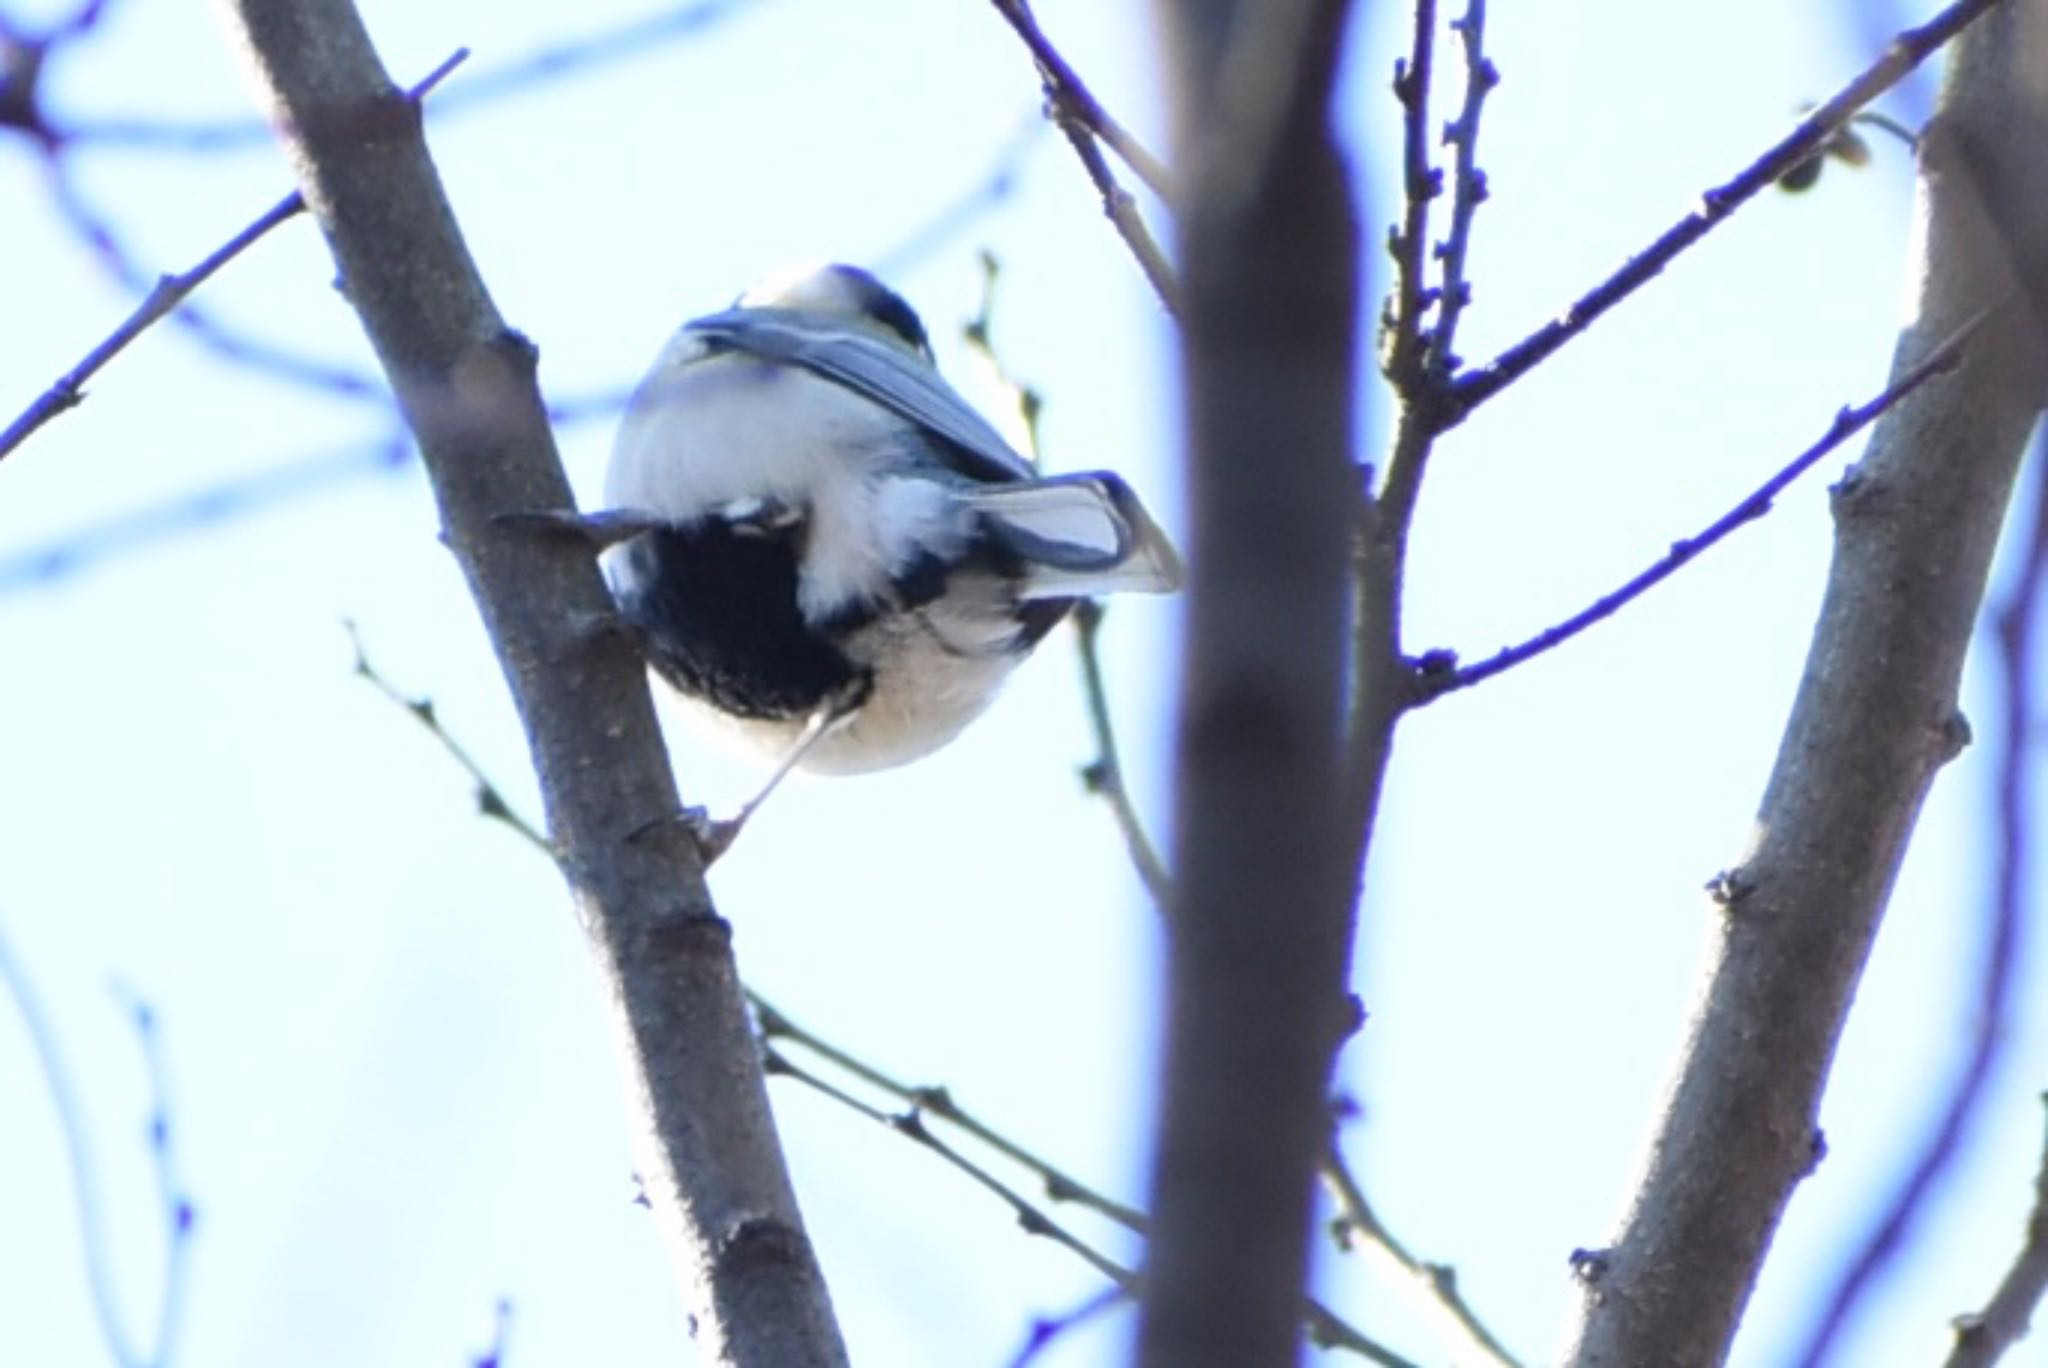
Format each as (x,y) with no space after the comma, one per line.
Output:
(1079,535)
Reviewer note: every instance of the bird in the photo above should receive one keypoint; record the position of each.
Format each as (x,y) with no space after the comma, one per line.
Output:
(822,547)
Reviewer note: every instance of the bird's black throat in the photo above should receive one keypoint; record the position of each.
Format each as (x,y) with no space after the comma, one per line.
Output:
(718,607)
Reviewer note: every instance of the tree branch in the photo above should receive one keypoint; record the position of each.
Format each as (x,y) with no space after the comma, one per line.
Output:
(1437,682)
(1074,101)
(710,1163)
(2006,918)
(1263,906)
(1081,117)
(1907,51)
(1874,719)
(169,292)
(1433,1286)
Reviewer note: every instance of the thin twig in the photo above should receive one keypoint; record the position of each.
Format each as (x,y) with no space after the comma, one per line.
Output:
(921,1101)
(2007,918)
(226,341)
(209,505)
(1403,345)
(170,291)
(170,1188)
(1071,93)
(1438,678)
(1081,117)
(1468,189)
(1328,1329)
(490,799)
(1906,51)
(910,1124)
(1060,1186)
(71,1124)
(1104,775)
(1122,211)
(1982,1337)
(1435,1285)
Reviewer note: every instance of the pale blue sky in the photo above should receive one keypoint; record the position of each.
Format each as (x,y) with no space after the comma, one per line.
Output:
(395,1095)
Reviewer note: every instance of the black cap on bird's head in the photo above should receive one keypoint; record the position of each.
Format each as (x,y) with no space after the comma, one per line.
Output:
(844,290)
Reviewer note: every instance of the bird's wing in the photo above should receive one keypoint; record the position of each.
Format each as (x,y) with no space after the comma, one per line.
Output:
(887,374)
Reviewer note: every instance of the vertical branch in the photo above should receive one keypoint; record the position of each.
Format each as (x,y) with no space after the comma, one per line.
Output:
(1874,719)
(1403,343)
(710,1163)
(1468,189)
(1263,889)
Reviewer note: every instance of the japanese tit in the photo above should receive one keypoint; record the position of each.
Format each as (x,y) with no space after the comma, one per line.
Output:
(821,544)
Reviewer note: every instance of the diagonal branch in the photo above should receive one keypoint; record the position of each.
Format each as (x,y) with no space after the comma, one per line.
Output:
(170,291)
(709,1159)
(1088,126)
(1906,52)
(1074,100)
(1848,422)
(1874,720)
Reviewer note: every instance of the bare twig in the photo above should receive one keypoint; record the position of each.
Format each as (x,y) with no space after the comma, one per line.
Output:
(1104,775)
(1434,1286)
(2006,917)
(910,1124)
(208,505)
(170,291)
(1123,214)
(1403,344)
(1468,189)
(923,1103)
(1982,1337)
(490,799)
(1419,358)
(1073,100)
(224,340)
(156,1352)
(1906,51)
(1437,680)
(1059,1185)
(1081,117)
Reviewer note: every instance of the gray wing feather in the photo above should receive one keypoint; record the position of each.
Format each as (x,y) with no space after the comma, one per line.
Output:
(871,367)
